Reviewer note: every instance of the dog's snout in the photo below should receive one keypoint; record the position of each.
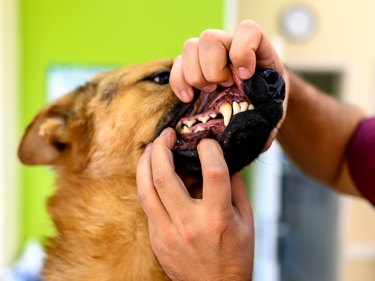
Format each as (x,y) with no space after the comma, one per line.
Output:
(266,85)
(271,77)
(275,83)
(281,93)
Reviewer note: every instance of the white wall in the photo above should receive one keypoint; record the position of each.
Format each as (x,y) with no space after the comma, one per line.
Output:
(9,195)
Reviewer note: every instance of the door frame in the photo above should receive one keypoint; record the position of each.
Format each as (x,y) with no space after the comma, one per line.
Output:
(9,112)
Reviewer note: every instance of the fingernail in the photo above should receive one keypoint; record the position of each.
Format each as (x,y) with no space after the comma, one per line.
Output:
(148,147)
(243,72)
(227,84)
(185,96)
(209,88)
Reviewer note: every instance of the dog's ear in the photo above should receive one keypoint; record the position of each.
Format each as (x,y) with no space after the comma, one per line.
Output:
(48,135)
(41,143)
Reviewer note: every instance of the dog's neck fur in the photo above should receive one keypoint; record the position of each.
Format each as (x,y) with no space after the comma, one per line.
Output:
(95,221)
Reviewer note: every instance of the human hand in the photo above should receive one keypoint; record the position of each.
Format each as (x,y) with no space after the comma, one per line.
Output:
(204,61)
(196,239)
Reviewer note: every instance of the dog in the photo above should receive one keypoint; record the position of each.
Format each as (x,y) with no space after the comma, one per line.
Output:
(93,138)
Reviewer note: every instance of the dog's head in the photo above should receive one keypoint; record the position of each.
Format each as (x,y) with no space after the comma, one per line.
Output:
(101,128)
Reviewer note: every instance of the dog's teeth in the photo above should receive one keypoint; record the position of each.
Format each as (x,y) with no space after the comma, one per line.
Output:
(190,122)
(185,130)
(236,108)
(199,129)
(251,107)
(204,119)
(213,115)
(244,106)
(226,111)
(178,126)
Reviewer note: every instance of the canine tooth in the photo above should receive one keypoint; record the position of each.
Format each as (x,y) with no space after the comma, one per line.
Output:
(213,115)
(236,108)
(179,126)
(251,107)
(185,130)
(244,106)
(198,129)
(204,119)
(226,111)
(190,122)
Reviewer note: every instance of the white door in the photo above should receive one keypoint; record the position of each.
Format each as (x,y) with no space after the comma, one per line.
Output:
(9,195)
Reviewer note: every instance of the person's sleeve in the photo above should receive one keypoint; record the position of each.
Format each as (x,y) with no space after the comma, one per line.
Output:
(361,158)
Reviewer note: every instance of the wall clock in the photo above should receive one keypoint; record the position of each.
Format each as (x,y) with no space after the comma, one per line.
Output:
(298,22)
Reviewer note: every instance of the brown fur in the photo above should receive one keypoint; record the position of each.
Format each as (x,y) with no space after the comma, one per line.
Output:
(93,138)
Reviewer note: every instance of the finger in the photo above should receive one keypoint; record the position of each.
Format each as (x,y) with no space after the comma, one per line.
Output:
(250,48)
(240,197)
(191,66)
(180,87)
(147,195)
(214,46)
(216,181)
(169,186)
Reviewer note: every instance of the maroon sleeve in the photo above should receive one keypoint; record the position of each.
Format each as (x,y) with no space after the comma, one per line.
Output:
(361,158)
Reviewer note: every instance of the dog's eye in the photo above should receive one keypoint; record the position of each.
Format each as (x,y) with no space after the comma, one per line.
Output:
(160,78)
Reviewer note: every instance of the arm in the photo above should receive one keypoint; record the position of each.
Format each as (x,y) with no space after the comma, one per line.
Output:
(316,132)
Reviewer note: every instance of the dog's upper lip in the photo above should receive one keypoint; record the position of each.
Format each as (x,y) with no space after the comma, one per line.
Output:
(237,80)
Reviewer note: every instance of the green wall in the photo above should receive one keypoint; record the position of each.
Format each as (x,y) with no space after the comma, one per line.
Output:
(93,32)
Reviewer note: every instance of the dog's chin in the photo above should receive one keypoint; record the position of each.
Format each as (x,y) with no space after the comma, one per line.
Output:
(241,118)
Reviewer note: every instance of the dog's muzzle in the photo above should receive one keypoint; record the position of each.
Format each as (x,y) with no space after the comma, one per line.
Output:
(240,118)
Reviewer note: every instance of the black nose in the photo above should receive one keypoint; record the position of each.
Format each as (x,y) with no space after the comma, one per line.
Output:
(276,84)
(266,85)
(270,75)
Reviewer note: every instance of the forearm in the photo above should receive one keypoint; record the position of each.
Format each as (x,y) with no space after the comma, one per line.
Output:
(316,131)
